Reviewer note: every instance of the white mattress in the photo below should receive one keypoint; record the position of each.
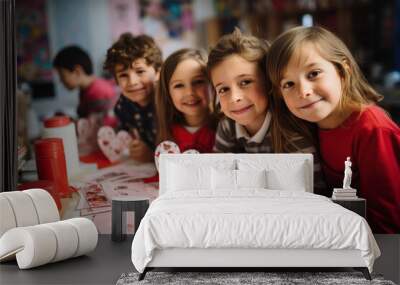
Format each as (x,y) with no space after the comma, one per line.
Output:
(252,218)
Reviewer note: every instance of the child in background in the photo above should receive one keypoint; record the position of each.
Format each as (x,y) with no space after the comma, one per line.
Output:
(135,63)
(183,102)
(314,73)
(75,69)
(237,69)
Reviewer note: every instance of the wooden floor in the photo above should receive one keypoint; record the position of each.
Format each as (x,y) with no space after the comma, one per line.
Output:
(102,266)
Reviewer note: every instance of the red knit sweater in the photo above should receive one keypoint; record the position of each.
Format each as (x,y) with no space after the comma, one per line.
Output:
(372,141)
(202,140)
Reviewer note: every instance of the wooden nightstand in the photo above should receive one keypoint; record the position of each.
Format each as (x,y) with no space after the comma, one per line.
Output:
(357,205)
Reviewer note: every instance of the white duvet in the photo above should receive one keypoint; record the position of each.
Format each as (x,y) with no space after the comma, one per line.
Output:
(256,218)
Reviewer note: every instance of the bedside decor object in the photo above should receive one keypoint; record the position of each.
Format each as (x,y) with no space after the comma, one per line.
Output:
(347,174)
(345,193)
(31,232)
(62,127)
(120,205)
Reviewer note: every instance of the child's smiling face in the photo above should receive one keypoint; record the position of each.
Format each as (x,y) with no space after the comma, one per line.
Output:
(311,88)
(240,87)
(188,88)
(137,81)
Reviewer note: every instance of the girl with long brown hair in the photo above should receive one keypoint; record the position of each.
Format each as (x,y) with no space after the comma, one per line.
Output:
(183,102)
(315,78)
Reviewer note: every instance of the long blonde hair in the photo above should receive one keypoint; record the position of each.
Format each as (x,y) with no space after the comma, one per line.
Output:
(167,114)
(356,92)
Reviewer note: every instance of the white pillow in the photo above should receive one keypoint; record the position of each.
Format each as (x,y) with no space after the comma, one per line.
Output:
(251,179)
(292,179)
(223,179)
(235,179)
(185,177)
(280,174)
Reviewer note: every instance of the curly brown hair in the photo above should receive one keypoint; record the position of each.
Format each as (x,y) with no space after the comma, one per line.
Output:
(128,48)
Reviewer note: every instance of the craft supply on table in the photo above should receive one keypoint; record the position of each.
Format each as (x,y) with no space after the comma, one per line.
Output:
(51,165)
(62,127)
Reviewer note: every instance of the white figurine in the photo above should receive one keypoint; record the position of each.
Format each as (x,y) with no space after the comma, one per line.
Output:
(347,174)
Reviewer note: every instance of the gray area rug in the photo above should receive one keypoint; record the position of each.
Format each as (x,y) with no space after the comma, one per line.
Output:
(229,278)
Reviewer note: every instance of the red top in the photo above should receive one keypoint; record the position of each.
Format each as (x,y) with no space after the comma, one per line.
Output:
(202,140)
(372,141)
(57,121)
(98,97)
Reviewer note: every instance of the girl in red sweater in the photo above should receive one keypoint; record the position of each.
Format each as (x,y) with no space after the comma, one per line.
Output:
(314,73)
(183,102)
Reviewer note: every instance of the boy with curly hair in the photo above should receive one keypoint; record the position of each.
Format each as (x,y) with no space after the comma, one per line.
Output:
(135,62)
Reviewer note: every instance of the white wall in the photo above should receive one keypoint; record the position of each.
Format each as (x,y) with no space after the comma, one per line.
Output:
(83,23)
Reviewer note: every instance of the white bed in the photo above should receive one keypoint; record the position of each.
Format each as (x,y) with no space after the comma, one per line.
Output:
(247,210)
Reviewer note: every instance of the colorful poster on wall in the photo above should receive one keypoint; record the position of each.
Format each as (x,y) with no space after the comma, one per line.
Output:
(33,55)
(169,22)
(124,17)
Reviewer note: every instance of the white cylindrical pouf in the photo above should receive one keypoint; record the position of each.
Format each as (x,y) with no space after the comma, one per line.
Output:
(87,234)
(45,205)
(62,127)
(7,218)
(33,246)
(23,208)
(67,239)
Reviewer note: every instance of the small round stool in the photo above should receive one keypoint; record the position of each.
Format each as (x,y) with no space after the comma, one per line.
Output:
(139,205)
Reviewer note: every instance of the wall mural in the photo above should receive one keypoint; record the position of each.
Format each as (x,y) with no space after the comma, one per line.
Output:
(33,55)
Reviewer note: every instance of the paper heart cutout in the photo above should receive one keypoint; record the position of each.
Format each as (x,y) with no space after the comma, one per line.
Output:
(190,151)
(169,147)
(114,146)
(87,129)
(165,147)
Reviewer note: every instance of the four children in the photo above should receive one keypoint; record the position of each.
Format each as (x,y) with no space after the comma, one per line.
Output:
(304,93)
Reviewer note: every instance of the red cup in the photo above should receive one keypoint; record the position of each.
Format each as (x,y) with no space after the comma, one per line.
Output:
(43,184)
(51,165)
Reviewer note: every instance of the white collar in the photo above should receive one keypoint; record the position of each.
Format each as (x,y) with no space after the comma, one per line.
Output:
(241,131)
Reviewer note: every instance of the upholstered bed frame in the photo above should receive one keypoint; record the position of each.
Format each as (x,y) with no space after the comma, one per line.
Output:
(251,258)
